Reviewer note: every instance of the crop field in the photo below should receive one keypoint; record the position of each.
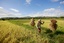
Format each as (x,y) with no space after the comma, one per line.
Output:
(20,31)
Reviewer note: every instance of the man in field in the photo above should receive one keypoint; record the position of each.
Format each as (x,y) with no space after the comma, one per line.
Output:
(32,23)
(39,25)
(53,25)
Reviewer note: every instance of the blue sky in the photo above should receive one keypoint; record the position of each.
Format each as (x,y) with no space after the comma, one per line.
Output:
(20,8)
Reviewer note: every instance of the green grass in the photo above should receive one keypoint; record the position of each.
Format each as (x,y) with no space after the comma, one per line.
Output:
(46,24)
(20,31)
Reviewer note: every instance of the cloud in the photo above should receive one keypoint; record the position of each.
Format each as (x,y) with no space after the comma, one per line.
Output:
(54,0)
(62,2)
(51,12)
(15,10)
(1,7)
(28,1)
(5,13)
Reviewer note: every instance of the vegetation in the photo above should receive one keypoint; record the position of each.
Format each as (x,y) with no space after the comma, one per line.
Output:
(20,31)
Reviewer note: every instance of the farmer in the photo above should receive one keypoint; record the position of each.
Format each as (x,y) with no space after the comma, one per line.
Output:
(39,25)
(53,25)
(32,23)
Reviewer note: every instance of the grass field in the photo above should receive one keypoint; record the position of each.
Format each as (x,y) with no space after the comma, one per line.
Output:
(20,31)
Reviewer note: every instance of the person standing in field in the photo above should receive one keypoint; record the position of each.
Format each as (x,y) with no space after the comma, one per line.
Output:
(32,22)
(53,25)
(39,25)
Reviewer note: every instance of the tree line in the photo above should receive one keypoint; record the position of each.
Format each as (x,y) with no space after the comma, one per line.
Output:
(9,18)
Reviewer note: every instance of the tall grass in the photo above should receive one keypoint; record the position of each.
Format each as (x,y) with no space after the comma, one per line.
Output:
(19,31)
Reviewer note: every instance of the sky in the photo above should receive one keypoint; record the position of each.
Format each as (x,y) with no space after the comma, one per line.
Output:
(33,8)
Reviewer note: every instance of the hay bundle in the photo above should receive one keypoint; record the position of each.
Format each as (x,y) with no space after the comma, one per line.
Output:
(53,25)
(32,22)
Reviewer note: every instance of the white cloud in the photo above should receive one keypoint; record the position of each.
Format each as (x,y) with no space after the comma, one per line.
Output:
(53,12)
(46,12)
(49,12)
(5,13)
(1,7)
(28,1)
(55,0)
(62,2)
(15,10)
